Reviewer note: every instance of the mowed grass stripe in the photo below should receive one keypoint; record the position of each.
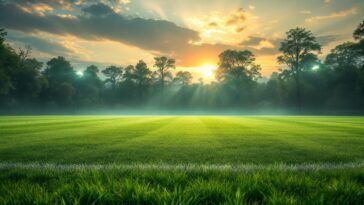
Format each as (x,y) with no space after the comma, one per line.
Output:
(182,139)
(77,127)
(336,124)
(263,142)
(183,167)
(74,143)
(63,122)
(322,134)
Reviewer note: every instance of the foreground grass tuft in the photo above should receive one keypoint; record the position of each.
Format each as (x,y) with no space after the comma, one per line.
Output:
(180,187)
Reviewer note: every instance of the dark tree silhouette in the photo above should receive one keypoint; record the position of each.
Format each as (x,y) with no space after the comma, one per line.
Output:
(298,44)
(237,64)
(359,36)
(346,63)
(91,72)
(343,55)
(164,65)
(183,78)
(359,32)
(28,80)
(59,70)
(8,58)
(238,70)
(89,87)
(3,34)
(141,74)
(61,79)
(113,75)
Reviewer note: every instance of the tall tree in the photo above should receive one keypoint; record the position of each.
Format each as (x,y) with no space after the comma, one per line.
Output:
(342,56)
(59,70)
(3,34)
(26,76)
(298,44)
(359,32)
(238,71)
(183,78)
(8,59)
(164,65)
(89,86)
(359,36)
(347,80)
(237,64)
(19,74)
(113,75)
(28,80)
(61,79)
(91,73)
(141,74)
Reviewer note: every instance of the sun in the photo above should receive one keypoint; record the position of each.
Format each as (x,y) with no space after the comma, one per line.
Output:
(207,70)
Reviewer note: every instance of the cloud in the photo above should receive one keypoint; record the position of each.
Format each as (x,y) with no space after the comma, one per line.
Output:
(98,22)
(69,5)
(192,55)
(55,4)
(213,24)
(39,44)
(225,27)
(252,41)
(261,46)
(98,9)
(155,35)
(326,40)
(236,18)
(333,15)
(327,1)
(306,12)
(154,8)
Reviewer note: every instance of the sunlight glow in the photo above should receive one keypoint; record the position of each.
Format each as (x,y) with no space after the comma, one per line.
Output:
(207,70)
(79,73)
(316,67)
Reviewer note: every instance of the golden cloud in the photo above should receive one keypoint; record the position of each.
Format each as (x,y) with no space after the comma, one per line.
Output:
(333,15)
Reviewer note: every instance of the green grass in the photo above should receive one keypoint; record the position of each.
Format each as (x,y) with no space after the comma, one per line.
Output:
(180,187)
(175,140)
(178,140)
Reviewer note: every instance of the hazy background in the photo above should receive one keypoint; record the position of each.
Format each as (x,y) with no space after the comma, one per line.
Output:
(178,57)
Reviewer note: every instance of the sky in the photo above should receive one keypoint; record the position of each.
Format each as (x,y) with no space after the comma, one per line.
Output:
(194,32)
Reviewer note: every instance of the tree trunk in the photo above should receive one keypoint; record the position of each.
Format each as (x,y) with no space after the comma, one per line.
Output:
(113,85)
(298,90)
(297,76)
(162,88)
(140,92)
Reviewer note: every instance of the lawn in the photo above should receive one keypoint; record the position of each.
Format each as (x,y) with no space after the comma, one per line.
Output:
(181,139)
(32,147)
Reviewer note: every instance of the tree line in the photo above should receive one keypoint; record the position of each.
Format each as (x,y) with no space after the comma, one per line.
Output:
(306,83)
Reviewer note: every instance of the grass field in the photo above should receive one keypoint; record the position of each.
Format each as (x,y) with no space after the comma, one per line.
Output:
(187,141)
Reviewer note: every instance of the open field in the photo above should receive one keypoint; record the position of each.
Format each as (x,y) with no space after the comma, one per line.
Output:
(181,160)
(176,140)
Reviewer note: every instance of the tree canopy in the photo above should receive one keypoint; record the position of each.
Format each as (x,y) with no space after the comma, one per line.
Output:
(335,83)
(299,48)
